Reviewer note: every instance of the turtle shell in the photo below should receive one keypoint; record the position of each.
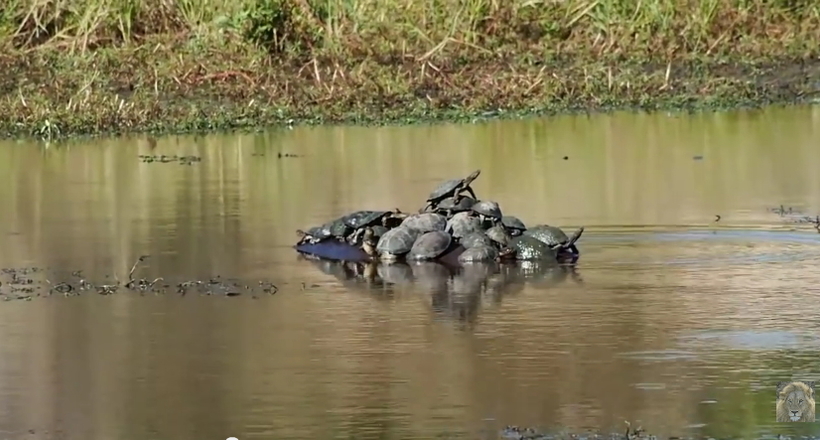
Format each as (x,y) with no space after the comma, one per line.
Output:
(499,235)
(481,253)
(449,187)
(530,248)
(462,224)
(379,230)
(513,224)
(475,239)
(338,228)
(488,208)
(448,204)
(426,222)
(397,242)
(360,219)
(445,189)
(320,232)
(430,245)
(550,235)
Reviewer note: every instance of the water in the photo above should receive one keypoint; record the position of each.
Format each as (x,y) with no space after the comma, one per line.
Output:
(671,321)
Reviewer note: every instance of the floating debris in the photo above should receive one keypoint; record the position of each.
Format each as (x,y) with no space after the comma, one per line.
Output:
(19,284)
(281,155)
(182,160)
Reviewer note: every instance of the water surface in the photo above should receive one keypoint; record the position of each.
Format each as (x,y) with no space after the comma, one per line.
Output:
(670,320)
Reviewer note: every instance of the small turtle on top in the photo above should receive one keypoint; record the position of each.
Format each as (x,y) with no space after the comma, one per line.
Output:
(452,188)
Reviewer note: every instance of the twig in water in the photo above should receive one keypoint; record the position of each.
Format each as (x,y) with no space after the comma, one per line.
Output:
(136,263)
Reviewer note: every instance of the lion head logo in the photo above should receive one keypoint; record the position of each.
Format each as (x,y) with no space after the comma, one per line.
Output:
(795,401)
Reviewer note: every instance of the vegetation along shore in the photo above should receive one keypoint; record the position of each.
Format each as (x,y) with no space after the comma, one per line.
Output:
(108,66)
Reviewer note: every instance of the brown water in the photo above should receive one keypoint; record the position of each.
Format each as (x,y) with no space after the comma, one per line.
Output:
(671,321)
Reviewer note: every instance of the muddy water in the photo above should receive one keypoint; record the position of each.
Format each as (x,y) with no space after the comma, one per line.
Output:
(670,320)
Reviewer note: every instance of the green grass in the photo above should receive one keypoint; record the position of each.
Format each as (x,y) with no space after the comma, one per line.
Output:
(107,66)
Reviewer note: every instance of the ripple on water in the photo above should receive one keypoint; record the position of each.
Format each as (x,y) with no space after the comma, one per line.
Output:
(704,248)
(753,340)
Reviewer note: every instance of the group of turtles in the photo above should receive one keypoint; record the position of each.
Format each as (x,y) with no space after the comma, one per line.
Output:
(453,222)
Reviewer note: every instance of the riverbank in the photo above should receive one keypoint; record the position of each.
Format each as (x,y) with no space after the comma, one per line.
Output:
(161,68)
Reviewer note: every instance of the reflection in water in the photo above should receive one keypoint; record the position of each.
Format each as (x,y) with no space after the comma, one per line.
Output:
(680,324)
(455,291)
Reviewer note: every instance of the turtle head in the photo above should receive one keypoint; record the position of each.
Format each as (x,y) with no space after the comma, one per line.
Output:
(368,242)
(300,233)
(471,177)
(506,253)
(568,255)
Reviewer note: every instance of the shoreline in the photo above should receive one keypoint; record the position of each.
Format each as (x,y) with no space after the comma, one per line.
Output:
(52,114)
(177,73)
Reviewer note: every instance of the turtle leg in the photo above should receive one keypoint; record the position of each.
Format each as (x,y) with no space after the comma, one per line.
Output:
(354,237)
(470,192)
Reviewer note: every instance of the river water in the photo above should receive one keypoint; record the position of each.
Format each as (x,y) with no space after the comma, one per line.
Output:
(671,320)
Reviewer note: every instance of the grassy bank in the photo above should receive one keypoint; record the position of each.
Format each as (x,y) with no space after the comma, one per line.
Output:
(98,66)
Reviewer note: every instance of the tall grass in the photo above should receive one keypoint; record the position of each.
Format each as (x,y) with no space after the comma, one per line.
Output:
(423,28)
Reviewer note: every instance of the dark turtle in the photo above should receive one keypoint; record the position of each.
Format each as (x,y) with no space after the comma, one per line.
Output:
(462,224)
(554,237)
(448,206)
(396,242)
(499,235)
(359,220)
(430,246)
(487,210)
(530,248)
(474,239)
(426,222)
(337,229)
(513,224)
(313,235)
(452,188)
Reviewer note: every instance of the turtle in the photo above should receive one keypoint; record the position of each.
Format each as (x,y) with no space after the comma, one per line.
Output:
(485,253)
(513,224)
(499,235)
(474,239)
(462,224)
(395,243)
(378,231)
(449,206)
(487,210)
(452,188)
(313,235)
(359,220)
(430,246)
(555,238)
(425,222)
(337,229)
(530,248)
